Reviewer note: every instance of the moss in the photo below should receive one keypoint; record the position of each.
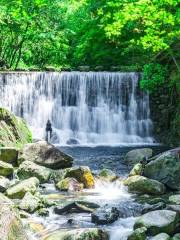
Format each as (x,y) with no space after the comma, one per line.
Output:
(14,131)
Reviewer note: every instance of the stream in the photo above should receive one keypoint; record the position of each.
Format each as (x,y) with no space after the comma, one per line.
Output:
(105,194)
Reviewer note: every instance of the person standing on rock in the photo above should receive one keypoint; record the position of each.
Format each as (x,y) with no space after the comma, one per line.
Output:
(48,130)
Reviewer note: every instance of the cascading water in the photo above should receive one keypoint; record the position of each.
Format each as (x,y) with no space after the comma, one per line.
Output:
(84,107)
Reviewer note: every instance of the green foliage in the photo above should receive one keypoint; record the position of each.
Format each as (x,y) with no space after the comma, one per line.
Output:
(154,76)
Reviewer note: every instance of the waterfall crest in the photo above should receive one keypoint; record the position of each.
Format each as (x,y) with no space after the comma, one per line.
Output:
(84,107)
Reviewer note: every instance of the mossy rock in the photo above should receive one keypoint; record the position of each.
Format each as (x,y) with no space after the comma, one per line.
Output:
(161,236)
(6,169)
(30,203)
(19,190)
(69,184)
(107,175)
(138,234)
(9,155)
(13,130)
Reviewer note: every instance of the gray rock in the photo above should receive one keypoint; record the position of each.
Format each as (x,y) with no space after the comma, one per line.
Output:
(30,203)
(175,208)
(29,169)
(175,199)
(137,155)
(46,155)
(69,184)
(158,221)
(154,207)
(105,216)
(107,175)
(161,236)
(165,169)
(176,236)
(142,184)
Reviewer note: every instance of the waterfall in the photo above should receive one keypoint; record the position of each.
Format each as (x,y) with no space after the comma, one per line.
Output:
(84,107)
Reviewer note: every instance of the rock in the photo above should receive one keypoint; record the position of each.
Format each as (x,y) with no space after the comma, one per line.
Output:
(76,207)
(107,175)
(4,184)
(13,132)
(9,155)
(175,199)
(79,234)
(176,236)
(57,175)
(137,170)
(105,216)
(161,236)
(5,201)
(6,169)
(137,155)
(138,234)
(46,155)
(157,222)
(154,207)
(72,141)
(142,184)
(43,212)
(175,208)
(29,169)
(11,225)
(69,184)
(29,203)
(20,189)
(81,174)
(165,169)
(84,68)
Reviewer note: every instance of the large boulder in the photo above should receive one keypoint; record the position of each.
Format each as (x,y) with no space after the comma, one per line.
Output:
(79,234)
(137,155)
(6,169)
(165,168)
(11,227)
(158,221)
(13,130)
(145,185)
(9,155)
(29,169)
(20,189)
(82,174)
(46,155)
(69,184)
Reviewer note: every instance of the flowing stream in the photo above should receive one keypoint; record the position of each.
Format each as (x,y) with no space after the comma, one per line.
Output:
(86,108)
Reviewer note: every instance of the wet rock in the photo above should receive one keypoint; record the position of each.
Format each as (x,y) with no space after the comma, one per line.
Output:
(29,203)
(14,133)
(9,155)
(138,234)
(46,155)
(161,236)
(176,236)
(154,207)
(142,184)
(6,169)
(76,207)
(165,168)
(43,212)
(157,222)
(69,184)
(137,156)
(107,175)
(175,208)
(72,141)
(11,225)
(4,184)
(29,169)
(79,234)
(20,189)
(105,216)
(175,199)
(137,170)
(82,174)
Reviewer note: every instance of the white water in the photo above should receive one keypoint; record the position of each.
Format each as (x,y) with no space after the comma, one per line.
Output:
(101,108)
